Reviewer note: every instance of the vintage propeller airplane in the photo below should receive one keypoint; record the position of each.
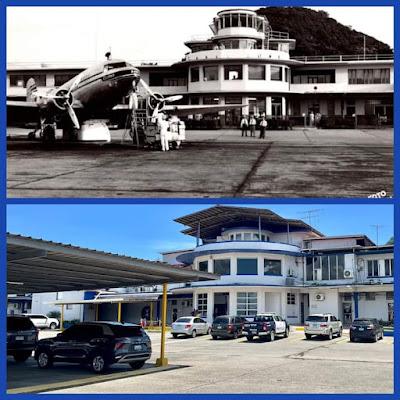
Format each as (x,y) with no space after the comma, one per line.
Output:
(92,95)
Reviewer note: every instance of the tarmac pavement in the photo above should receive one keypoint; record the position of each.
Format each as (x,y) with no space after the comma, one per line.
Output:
(297,163)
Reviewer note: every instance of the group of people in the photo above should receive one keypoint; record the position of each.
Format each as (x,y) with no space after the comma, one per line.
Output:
(249,124)
(169,129)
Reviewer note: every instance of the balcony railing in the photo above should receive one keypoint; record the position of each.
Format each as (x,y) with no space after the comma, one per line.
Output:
(344,58)
(278,35)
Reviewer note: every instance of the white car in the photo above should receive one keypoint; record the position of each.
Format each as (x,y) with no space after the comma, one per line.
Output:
(42,321)
(190,326)
(322,325)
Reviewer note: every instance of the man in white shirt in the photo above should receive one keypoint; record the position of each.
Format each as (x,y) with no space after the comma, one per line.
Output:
(164,126)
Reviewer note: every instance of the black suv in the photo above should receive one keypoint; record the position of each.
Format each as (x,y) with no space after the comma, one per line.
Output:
(366,329)
(97,344)
(227,326)
(22,337)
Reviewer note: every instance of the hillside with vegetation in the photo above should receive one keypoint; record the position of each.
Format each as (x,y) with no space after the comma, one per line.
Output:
(318,34)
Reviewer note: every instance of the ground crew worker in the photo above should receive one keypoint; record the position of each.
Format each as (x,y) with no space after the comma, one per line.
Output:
(164,125)
(244,125)
(252,123)
(263,126)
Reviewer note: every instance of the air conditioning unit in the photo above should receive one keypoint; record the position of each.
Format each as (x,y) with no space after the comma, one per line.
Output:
(348,273)
(319,297)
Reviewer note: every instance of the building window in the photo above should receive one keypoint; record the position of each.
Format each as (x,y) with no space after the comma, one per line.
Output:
(350,106)
(69,306)
(309,269)
(389,267)
(276,73)
(272,267)
(369,296)
(247,266)
(329,267)
(233,100)
(194,74)
(246,303)
(257,72)
(20,80)
(203,266)
(210,73)
(233,72)
(286,74)
(389,295)
(222,267)
(202,304)
(369,76)
(291,298)
(373,268)
(210,100)
(60,79)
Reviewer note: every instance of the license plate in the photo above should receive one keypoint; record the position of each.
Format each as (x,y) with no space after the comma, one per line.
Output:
(219,327)
(253,330)
(360,329)
(137,347)
(19,338)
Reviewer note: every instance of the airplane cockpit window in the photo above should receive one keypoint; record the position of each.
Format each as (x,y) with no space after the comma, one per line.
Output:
(120,64)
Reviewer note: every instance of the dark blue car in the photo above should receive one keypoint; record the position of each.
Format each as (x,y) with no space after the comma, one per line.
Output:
(366,329)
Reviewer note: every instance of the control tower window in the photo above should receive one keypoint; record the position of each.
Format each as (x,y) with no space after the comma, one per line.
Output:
(210,73)
(194,74)
(276,73)
(235,20)
(256,72)
(227,21)
(233,72)
(243,20)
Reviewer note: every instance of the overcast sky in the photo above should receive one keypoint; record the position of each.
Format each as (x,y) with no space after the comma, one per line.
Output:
(62,34)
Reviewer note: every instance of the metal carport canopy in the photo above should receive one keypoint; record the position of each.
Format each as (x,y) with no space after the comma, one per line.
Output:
(37,266)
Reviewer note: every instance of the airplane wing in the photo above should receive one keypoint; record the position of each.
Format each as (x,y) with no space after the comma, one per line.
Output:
(187,109)
(24,104)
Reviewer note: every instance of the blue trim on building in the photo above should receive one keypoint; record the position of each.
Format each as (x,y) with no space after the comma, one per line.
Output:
(355,297)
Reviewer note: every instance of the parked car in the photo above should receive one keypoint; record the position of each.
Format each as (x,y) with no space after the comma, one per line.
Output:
(22,337)
(97,344)
(190,326)
(227,326)
(322,325)
(266,326)
(42,321)
(366,329)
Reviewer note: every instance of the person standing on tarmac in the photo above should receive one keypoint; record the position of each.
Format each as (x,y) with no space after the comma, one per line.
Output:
(252,123)
(164,125)
(244,125)
(263,127)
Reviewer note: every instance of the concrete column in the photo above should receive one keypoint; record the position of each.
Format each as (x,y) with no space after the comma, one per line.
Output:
(220,73)
(268,72)
(195,304)
(210,266)
(283,304)
(260,265)
(50,80)
(268,106)
(210,306)
(246,109)
(234,265)
(260,301)
(245,72)
(283,106)
(201,74)
(232,302)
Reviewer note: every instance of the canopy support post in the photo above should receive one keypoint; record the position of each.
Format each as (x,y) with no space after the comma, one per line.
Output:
(62,318)
(119,311)
(163,361)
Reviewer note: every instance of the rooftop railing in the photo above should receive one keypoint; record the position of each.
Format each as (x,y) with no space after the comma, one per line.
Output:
(344,58)
(278,35)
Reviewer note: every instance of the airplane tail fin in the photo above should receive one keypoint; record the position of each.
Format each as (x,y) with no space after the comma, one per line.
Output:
(31,90)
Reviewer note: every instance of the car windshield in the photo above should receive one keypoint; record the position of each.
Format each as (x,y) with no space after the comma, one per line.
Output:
(317,318)
(221,320)
(362,322)
(115,65)
(19,324)
(184,320)
(263,318)
(126,331)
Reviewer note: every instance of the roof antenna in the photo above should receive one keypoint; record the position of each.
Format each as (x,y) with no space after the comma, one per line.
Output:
(108,54)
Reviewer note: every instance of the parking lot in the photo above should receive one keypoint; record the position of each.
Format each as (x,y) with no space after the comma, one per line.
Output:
(297,163)
(292,365)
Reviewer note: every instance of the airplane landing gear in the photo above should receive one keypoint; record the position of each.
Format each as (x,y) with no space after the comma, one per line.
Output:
(48,134)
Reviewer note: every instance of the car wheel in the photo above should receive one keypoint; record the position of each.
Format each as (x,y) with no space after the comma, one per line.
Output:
(53,325)
(287,331)
(330,336)
(194,334)
(272,336)
(249,338)
(340,333)
(375,338)
(352,339)
(174,335)
(214,337)
(44,360)
(235,335)
(98,364)
(308,336)
(136,364)
(22,356)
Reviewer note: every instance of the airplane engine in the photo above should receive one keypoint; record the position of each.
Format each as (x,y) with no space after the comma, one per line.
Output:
(63,98)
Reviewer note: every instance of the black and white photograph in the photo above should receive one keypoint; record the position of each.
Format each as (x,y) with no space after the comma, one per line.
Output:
(200,102)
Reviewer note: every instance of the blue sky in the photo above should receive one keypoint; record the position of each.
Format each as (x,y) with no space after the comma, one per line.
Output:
(146,230)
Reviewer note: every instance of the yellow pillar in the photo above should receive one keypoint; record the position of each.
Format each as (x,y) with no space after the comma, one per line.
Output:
(163,361)
(97,312)
(119,311)
(62,318)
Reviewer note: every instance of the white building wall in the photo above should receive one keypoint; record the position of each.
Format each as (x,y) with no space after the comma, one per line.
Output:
(329,305)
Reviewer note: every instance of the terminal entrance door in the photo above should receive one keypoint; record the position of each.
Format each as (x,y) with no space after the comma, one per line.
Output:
(221,304)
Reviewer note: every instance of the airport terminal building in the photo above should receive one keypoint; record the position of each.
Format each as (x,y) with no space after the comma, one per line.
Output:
(246,61)
(266,263)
